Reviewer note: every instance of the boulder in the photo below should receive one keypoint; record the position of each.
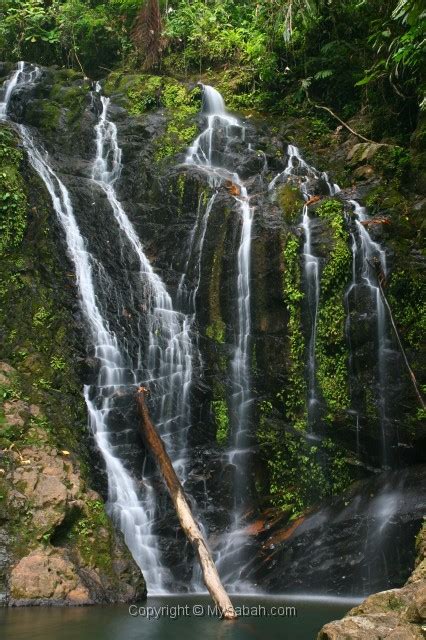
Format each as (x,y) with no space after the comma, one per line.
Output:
(396,614)
(375,627)
(46,575)
(364,152)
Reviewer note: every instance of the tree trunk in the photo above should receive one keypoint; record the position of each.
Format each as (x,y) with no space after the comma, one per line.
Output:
(186,519)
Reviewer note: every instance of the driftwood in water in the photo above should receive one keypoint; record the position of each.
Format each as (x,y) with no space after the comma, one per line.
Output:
(380,280)
(183,511)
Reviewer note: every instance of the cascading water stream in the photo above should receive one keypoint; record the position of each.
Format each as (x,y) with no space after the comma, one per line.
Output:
(113,378)
(202,154)
(365,252)
(170,353)
(168,366)
(168,369)
(304,173)
(9,87)
(188,295)
(367,255)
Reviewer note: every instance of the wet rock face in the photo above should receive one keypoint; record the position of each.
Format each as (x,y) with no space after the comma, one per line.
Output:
(353,546)
(163,200)
(52,576)
(49,520)
(47,483)
(397,613)
(375,627)
(46,576)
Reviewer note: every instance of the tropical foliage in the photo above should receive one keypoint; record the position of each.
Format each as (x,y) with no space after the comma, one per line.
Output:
(345,53)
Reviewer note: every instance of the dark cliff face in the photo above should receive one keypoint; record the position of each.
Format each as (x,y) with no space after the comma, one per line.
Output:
(50,513)
(163,198)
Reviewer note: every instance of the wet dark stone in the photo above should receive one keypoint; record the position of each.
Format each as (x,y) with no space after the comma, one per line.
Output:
(354,545)
(163,201)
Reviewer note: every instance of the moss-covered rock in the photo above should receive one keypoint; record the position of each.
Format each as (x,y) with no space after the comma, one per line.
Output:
(142,93)
(331,346)
(291,201)
(47,508)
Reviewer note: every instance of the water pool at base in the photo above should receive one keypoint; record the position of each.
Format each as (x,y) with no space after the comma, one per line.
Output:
(175,617)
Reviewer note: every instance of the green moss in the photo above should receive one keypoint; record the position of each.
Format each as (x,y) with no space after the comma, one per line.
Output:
(13,200)
(331,348)
(141,93)
(216,331)
(300,473)
(63,107)
(138,93)
(182,106)
(220,412)
(46,114)
(216,327)
(34,316)
(290,200)
(407,296)
(237,89)
(393,162)
(144,95)
(294,394)
(93,536)
(72,98)
(41,317)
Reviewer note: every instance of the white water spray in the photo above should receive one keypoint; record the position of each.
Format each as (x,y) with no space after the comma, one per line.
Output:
(167,368)
(303,173)
(169,362)
(366,254)
(202,154)
(123,501)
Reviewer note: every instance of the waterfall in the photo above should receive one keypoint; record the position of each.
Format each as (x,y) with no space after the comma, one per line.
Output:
(123,501)
(162,351)
(188,295)
(311,265)
(365,255)
(167,367)
(304,174)
(202,155)
(25,74)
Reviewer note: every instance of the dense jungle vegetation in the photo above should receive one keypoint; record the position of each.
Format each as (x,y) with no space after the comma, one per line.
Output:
(350,55)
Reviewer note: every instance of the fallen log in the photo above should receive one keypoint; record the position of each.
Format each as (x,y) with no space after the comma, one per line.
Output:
(192,531)
(345,124)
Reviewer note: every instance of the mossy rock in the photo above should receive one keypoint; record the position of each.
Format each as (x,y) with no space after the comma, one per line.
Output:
(291,202)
